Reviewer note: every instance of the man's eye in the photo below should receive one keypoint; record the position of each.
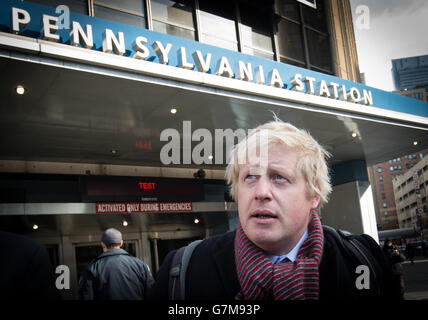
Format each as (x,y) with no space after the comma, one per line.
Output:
(250,177)
(278,177)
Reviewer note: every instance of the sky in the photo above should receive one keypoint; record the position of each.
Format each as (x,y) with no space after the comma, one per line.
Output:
(386,30)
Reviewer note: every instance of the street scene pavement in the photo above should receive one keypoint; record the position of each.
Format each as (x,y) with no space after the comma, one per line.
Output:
(416,279)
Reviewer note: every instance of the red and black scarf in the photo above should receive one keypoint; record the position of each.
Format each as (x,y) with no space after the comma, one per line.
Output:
(260,279)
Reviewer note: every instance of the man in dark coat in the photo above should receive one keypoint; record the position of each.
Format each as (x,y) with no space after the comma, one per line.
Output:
(280,250)
(115,275)
(26,272)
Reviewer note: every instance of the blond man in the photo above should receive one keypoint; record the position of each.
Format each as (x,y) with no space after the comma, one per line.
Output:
(279,177)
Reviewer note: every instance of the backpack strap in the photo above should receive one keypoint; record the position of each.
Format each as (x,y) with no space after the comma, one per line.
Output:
(177,273)
(354,247)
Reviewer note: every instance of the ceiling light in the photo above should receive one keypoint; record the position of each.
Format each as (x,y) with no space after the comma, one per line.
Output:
(415,143)
(125,223)
(354,134)
(20,90)
(35,226)
(196,220)
(210,157)
(113,151)
(173,110)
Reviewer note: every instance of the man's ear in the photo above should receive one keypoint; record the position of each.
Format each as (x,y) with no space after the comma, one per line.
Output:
(315,201)
(103,245)
(121,244)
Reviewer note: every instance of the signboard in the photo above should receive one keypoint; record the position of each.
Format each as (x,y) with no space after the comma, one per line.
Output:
(419,204)
(142,207)
(129,189)
(84,38)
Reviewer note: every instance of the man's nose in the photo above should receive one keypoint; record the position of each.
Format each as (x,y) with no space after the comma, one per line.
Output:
(263,189)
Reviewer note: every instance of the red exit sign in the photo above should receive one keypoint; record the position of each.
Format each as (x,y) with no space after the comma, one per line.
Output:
(147,185)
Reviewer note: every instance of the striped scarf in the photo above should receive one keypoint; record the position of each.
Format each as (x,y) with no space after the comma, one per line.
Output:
(260,279)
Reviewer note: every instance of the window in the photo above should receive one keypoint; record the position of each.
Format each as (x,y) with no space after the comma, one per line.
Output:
(217,23)
(384,204)
(79,6)
(379,169)
(256,31)
(380,178)
(385,213)
(302,35)
(173,17)
(383,196)
(382,187)
(127,12)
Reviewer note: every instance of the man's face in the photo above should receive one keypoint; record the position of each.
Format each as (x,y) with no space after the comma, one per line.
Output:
(273,202)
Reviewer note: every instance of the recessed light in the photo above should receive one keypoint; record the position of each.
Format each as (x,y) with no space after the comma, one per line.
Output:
(210,157)
(35,226)
(20,90)
(354,134)
(196,220)
(125,223)
(415,143)
(173,110)
(113,151)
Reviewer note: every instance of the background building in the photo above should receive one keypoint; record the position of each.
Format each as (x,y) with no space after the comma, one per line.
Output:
(410,73)
(410,191)
(382,177)
(410,76)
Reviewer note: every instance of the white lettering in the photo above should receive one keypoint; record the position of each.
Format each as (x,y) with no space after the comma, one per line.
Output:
(49,28)
(224,68)
(260,75)
(367,96)
(324,92)
(111,43)
(310,81)
(162,52)
(141,51)
(334,86)
(201,64)
(20,18)
(183,60)
(354,95)
(275,80)
(298,83)
(245,72)
(77,34)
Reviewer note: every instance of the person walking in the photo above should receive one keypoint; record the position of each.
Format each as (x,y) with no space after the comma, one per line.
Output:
(114,274)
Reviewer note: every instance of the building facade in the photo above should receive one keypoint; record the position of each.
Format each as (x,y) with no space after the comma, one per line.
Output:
(410,191)
(382,177)
(121,114)
(419,93)
(410,73)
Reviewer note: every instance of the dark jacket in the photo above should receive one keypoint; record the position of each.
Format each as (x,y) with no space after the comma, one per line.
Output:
(211,274)
(26,272)
(115,275)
